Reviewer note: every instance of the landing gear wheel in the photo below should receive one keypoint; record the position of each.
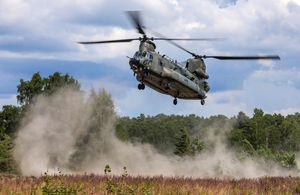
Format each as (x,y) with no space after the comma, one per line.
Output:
(202,102)
(175,101)
(141,86)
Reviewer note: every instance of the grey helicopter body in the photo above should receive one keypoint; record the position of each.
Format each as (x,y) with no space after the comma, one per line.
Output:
(167,76)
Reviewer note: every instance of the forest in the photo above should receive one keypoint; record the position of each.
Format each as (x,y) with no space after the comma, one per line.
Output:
(272,137)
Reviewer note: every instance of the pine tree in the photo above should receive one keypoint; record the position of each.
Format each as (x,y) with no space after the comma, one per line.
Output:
(182,143)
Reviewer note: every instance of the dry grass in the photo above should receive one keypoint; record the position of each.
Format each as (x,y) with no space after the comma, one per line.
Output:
(97,184)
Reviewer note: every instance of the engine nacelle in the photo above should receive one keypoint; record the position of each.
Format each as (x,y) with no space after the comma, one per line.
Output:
(147,46)
(197,67)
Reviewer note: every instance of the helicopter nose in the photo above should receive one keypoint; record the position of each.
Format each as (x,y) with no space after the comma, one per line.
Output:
(134,63)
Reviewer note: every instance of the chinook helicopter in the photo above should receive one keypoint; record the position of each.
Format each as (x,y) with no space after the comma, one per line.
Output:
(165,75)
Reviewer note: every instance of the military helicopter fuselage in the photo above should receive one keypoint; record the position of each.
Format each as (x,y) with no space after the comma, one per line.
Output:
(167,76)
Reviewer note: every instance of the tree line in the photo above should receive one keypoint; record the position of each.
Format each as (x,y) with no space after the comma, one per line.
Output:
(269,136)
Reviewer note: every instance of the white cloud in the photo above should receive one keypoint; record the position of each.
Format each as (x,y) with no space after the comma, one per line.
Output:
(8,99)
(248,25)
(49,30)
(94,52)
(287,111)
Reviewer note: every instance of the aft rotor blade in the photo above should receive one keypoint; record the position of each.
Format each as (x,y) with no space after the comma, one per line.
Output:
(109,41)
(190,39)
(269,57)
(135,18)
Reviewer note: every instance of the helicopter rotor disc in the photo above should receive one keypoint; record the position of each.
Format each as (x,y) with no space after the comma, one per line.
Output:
(136,20)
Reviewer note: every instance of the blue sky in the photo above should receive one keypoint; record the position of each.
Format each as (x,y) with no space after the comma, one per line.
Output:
(41,36)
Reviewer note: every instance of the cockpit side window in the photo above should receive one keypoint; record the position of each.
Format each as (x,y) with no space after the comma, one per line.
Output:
(136,54)
(151,56)
(146,55)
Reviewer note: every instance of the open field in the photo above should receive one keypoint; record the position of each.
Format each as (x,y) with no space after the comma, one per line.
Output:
(96,184)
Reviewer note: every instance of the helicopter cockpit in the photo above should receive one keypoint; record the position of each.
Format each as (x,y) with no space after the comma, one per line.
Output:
(147,56)
(141,59)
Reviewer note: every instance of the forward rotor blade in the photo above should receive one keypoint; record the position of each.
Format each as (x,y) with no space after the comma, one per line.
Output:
(171,42)
(136,20)
(269,57)
(109,41)
(180,47)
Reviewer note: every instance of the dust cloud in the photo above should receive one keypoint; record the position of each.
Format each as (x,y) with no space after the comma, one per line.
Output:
(74,132)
